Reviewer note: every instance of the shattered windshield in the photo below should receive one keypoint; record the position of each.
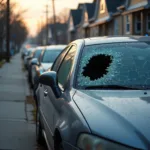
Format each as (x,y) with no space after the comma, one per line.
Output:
(121,64)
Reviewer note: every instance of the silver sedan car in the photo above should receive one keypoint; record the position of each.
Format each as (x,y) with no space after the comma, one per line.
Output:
(97,96)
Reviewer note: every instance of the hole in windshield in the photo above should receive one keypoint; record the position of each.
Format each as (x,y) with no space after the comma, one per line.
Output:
(97,66)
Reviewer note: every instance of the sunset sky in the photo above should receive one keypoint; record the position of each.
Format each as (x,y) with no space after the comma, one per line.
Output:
(35,10)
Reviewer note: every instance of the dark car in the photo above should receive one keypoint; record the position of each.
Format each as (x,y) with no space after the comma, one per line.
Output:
(35,55)
(97,96)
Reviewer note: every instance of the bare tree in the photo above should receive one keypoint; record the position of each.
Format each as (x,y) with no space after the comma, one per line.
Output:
(62,17)
(1,2)
(18,29)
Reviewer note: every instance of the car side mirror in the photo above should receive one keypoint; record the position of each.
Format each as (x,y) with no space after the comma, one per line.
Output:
(35,61)
(50,79)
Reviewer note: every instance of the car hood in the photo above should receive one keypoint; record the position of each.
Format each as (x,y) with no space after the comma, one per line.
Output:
(120,116)
(46,66)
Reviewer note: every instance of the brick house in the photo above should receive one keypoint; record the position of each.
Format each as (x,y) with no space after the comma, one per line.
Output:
(113,17)
(86,20)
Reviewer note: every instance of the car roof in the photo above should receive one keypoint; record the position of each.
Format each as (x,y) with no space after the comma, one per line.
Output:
(55,47)
(114,39)
(40,47)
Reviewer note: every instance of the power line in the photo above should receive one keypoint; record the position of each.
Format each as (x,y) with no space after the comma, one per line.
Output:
(47,25)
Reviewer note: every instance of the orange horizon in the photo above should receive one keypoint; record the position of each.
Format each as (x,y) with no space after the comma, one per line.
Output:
(35,12)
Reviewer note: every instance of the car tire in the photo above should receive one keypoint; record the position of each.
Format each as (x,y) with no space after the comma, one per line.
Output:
(39,134)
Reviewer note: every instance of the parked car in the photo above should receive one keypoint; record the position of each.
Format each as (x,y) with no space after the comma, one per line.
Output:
(23,52)
(28,56)
(25,48)
(97,96)
(48,56)
(35,55)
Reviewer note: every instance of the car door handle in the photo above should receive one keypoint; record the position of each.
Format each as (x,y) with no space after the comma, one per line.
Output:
(45,93)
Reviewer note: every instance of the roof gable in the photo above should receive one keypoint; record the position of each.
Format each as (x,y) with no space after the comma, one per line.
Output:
(133,4)
(102,10)
(105,9)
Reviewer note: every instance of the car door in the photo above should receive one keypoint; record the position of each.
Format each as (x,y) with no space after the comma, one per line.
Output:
(51,104)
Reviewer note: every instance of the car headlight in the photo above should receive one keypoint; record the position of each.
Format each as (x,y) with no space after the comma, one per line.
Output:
(89,142)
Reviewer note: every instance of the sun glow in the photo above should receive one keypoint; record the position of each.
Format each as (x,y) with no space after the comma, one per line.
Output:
(35,10)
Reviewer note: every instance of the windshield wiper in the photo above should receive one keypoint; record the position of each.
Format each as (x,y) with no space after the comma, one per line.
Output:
(110,87)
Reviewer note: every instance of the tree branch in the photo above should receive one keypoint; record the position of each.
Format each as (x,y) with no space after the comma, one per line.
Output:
(1,2)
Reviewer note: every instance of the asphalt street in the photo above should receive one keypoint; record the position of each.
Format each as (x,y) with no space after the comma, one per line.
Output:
(17,118)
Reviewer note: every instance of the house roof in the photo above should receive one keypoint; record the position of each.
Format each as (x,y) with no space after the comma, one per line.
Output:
(112,5)
(90,9)
(76,16)
(80,6)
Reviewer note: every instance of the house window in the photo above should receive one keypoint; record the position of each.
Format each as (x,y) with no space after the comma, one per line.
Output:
(138,23)
(102,6)
(127,24)
(148,22)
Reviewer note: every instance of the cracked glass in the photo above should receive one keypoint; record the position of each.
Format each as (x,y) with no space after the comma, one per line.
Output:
(124,64)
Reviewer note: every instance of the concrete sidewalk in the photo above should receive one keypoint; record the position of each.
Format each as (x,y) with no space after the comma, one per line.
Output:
(17,130)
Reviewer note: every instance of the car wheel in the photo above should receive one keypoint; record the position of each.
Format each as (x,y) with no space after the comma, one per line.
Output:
(39,134)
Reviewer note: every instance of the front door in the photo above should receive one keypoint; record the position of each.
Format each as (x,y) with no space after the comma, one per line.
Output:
(52,105)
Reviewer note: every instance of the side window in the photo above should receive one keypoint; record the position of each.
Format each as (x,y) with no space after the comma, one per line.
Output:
(59,59)
(66,66)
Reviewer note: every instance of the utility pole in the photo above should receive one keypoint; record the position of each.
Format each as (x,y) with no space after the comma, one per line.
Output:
(54,17)
(8,32)
(41,29)
(47,25)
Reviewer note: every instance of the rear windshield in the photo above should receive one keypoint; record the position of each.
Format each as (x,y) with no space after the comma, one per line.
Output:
(124,64)
(50,56)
